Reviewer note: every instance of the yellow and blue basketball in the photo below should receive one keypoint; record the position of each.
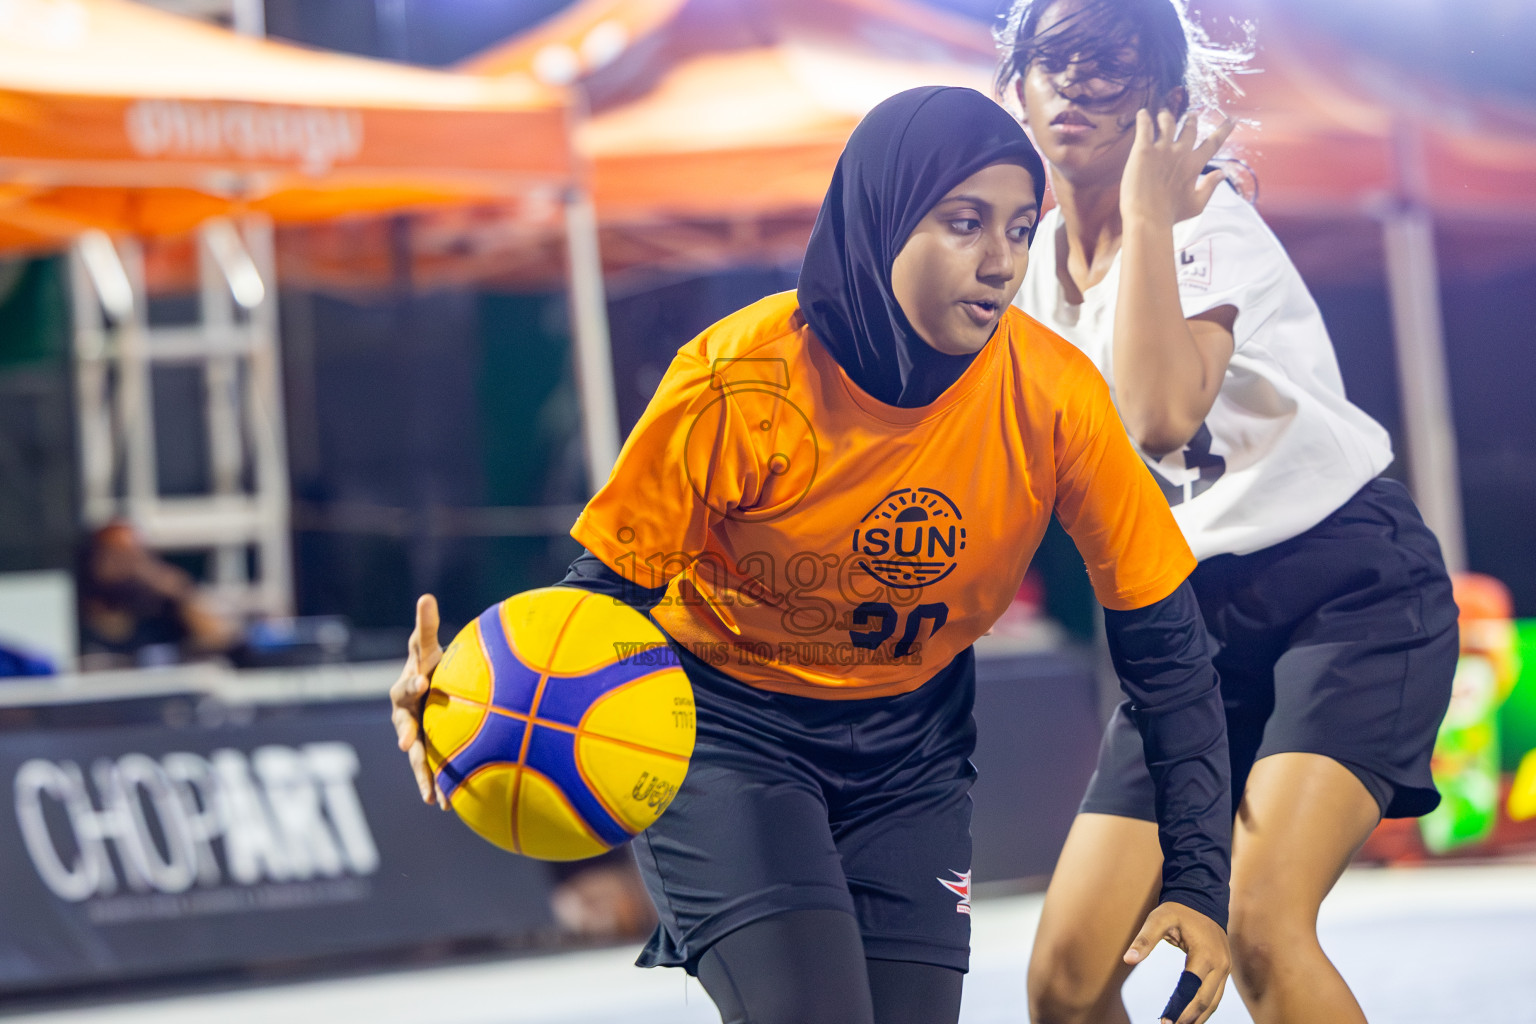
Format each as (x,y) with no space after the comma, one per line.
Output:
(559,724)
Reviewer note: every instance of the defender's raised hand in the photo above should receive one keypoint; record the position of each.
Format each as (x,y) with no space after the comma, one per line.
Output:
(1163,180)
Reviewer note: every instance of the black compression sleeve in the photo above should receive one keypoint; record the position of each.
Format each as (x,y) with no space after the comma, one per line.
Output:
(808,967)
(797,967)
(905,992)
(589,573)
(1162,655)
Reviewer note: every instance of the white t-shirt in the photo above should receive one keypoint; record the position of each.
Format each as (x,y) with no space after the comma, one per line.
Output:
(1282,447)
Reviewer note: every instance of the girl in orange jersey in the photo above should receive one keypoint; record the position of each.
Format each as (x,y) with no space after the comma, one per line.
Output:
(832,494)
(1322,588)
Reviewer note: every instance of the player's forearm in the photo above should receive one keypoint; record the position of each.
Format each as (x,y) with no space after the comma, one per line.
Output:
(1163,383)
(1192,789)
(1162,656)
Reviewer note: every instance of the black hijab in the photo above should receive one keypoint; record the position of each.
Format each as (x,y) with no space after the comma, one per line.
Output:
(905,156)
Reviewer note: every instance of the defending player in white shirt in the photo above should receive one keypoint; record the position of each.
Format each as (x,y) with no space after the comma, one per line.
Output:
(1281,447)
(1323,592)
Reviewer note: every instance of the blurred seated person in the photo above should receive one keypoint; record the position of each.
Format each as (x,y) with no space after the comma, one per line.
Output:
(138,609)
(601,899)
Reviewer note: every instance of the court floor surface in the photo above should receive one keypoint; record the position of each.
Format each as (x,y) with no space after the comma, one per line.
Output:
(1424,945)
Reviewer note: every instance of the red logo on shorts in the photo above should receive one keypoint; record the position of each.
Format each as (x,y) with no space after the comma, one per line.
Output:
(961,887)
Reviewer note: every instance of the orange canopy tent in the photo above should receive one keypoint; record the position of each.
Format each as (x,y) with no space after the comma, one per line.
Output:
(714,125)
(117,116)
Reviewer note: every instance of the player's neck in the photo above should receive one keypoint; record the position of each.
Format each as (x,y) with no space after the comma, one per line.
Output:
(1090,213)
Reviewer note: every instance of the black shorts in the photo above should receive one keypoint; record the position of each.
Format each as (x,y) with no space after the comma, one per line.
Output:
(793,803)
(1341,641)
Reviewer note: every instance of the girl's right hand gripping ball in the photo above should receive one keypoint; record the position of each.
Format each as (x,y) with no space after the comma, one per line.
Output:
(559,723)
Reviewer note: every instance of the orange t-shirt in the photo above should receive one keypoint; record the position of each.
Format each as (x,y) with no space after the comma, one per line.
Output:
(816,541)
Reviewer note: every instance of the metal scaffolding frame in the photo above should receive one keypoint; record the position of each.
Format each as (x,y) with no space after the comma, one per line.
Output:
(243,520)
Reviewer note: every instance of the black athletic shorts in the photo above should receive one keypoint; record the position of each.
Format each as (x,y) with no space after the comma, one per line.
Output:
(1341,641)
(793,803)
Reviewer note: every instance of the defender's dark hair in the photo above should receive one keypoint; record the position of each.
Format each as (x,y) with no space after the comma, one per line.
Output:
(1147,46)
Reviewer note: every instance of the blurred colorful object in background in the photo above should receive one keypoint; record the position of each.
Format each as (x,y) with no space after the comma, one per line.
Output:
(1466,759)
(1517,727)
(1485,757)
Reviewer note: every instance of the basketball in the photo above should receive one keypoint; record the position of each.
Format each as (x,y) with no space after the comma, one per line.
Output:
(559,724)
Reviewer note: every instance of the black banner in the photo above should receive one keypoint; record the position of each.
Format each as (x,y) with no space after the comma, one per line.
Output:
(164,835)
(140,850)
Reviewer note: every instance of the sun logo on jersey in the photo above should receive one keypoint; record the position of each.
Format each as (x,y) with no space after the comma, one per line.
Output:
(961,887)
(910,538)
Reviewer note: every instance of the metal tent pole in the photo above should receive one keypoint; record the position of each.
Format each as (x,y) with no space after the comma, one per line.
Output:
(589,327)
(102,297)
(266,423)
(1417,325)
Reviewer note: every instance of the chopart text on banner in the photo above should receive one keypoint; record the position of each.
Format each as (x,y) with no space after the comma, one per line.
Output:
(159,836)
(281,814)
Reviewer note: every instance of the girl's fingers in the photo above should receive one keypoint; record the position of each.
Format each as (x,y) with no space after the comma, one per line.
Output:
(418,758)
(1145,132)
(1183,994)
(1206,1000)
(405,727)
(1187,128)
(423,643)
(427,621)
(409,690)
(1207,186)
(1217,138)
